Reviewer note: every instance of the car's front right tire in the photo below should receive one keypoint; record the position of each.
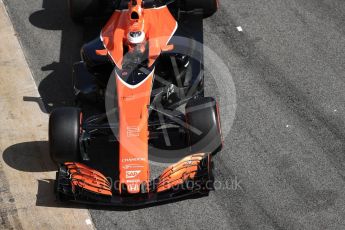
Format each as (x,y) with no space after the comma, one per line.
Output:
(204,129)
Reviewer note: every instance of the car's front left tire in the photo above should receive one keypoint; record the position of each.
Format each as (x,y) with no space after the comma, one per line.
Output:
(64,133)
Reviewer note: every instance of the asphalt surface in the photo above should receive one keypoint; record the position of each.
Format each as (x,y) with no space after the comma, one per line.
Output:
(284,158)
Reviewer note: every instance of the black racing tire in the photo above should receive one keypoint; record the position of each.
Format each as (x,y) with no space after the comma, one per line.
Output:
(80,9)
(64,133)
(209,7)
(202,115)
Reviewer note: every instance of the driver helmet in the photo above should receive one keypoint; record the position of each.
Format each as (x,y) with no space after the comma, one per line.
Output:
(136,37)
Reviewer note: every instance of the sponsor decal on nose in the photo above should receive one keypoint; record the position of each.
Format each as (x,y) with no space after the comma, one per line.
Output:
(132,174)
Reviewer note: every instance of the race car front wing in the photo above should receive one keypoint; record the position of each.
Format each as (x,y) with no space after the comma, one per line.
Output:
(191,177)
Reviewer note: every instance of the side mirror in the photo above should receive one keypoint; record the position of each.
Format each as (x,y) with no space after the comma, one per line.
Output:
(103,52)
(168,48)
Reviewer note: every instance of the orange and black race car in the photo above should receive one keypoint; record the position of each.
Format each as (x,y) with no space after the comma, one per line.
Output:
(139,87)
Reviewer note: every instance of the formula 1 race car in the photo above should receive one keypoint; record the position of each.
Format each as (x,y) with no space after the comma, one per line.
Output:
(139,83)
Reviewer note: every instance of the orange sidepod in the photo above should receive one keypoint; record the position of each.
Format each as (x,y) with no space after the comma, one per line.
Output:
(112,36)
(161,26)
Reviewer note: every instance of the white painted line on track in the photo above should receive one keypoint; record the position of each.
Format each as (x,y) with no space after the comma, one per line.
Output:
(239,28)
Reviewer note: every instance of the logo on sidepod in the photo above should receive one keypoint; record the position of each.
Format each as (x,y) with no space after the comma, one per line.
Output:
(132,174)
